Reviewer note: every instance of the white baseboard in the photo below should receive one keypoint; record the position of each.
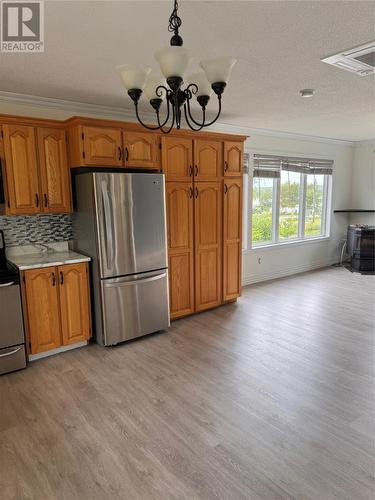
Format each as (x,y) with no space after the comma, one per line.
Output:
(286,271)
(34,357)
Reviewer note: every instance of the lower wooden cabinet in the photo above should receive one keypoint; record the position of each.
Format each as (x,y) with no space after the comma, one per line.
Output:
(56,306)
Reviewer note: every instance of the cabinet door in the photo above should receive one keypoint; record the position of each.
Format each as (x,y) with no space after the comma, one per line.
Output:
(233,158)
(74,302)
(102,146)
(180,247)
(55,178)
(43,315)
(208,160)
(177,158)
(21,169)
(141,150)
(232,237)
(208,243)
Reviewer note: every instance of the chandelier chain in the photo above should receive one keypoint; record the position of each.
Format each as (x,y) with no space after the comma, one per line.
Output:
(174,20)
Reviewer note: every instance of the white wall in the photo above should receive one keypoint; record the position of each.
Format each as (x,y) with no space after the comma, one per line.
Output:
(267,263)
(363,183)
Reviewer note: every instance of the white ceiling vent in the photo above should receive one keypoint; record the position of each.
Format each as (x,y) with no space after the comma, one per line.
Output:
(359,60)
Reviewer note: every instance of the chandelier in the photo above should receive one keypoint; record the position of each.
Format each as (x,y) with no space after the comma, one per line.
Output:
(173,62)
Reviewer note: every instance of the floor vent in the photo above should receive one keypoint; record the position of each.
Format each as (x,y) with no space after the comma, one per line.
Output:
(359,60)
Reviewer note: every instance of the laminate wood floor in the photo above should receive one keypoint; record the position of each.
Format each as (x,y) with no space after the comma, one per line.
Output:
(268,398)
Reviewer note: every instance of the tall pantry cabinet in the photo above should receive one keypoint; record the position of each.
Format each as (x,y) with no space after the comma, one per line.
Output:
(204,222)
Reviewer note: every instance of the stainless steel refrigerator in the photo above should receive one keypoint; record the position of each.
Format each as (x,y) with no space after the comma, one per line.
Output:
(119,221)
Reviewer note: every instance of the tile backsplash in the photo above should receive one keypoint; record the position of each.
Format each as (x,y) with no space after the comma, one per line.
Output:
(26,229)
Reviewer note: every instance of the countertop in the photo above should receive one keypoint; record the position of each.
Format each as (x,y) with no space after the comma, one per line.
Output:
(36,258)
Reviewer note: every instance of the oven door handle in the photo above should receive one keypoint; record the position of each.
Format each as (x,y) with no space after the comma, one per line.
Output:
(7,284)
(10,352)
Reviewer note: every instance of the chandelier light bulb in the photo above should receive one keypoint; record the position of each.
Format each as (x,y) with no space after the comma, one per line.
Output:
(218,69)
(133,76)
(173,61)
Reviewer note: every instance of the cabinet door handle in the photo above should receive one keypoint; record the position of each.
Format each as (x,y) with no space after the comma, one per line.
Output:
(53,279)
(45,200)
(196,170)
(190,170)
(225,189)
(191,192)
(119,153)
(37,200)
(126,154)
(196,192)
(225,166)
(61,278)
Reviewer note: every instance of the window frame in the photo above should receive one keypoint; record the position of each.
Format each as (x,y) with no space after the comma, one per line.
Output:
(248,244)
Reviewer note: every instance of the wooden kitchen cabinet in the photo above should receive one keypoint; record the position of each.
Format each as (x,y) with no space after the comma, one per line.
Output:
(43,313)
(74,303)
(208,221)
(56,306)
(54,174)
(232,238)
(141,149)
(21,170)
(101,146)
(208,160)
(233,158)
(177,158)
(180,228)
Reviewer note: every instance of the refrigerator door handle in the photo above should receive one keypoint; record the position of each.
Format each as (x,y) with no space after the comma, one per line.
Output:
(135,282)
(107,226)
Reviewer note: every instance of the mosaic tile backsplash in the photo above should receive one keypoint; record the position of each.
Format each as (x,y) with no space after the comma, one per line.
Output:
(27,229)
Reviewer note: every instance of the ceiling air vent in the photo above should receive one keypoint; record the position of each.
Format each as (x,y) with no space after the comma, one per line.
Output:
(359,60)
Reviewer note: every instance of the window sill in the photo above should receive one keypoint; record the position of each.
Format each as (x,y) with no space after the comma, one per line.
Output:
(272,246)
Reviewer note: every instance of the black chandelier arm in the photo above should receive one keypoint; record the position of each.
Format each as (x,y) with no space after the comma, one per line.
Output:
(140,120)
(161,127)
(217,115)
(188,114)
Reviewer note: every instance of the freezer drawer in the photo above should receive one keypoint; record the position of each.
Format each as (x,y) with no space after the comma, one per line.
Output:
(134,305)
(12,358)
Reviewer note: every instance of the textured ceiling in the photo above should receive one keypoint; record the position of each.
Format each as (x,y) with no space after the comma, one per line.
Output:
(278,45)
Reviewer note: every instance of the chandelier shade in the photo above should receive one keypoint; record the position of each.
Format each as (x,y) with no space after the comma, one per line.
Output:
(218,69)
(133,76)
(174,61)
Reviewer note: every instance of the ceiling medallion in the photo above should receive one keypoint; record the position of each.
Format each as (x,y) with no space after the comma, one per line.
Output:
(173,62)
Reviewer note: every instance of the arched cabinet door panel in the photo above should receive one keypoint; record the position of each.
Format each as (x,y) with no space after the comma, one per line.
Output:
(233,159)
(102,146)
(54,173)
(208,244)
(141,150)
(208,160)
(74,302)
(177,158)
(232,238)
(43,315)
(21,170)
(180,230)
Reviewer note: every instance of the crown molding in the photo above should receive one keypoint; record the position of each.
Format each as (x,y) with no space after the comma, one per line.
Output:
(112,112)
(368,142)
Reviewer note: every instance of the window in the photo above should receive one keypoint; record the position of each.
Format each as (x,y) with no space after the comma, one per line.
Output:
(289,199)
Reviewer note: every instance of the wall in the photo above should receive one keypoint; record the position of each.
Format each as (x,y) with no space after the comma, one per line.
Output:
(272,262)
(363,183)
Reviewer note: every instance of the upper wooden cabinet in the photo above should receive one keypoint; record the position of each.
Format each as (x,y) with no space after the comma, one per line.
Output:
(180,229)
(177,158)
(233,158)
(21,170)
(208,160)
(57,306)
(102,146)
(208,222)
(54,173)
(141,150)
(232,238)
